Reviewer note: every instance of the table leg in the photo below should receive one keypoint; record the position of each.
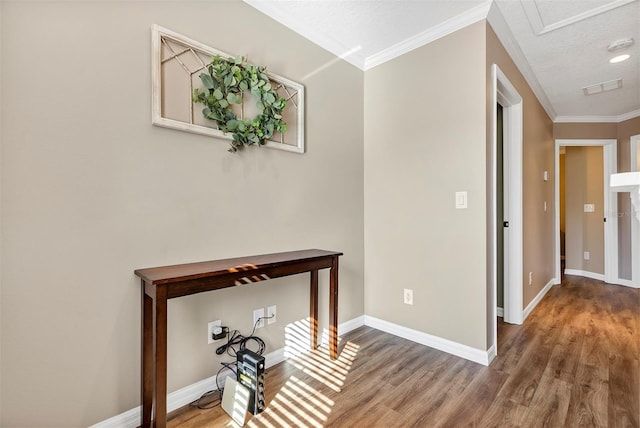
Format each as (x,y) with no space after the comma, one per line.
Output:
(146,386)
(333,309)
(160,321)
(313,309)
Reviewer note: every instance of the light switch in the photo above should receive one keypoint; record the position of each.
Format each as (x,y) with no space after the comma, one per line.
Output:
(589,208)
(461,200)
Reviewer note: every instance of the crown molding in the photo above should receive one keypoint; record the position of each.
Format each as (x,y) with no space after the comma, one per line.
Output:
(598,119)
(501,28)
(449,26)
(349,54)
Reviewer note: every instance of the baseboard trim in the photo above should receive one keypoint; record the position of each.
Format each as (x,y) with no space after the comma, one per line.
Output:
(586,274)
(531,306)
(491,353)
(445,345)
(626,283)
(500,312)
(184,396)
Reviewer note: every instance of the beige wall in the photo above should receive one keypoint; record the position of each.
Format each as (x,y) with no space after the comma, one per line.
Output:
(425,140)
(91,191)
(584,230)
(537,154)
(600,130)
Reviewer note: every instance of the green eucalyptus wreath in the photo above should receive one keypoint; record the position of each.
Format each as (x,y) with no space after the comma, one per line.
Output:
(225,82)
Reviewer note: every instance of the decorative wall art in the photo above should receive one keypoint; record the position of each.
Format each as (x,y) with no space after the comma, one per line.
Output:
(205,91)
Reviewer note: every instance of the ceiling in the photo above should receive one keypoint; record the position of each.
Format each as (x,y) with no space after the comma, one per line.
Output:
(560,46)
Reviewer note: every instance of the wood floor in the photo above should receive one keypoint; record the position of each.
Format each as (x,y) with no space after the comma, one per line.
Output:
(573,363)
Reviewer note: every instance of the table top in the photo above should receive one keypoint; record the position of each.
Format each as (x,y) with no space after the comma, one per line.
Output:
(189,271)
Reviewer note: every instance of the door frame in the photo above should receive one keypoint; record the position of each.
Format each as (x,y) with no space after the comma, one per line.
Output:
(506,94)
(634,148)
(610,164)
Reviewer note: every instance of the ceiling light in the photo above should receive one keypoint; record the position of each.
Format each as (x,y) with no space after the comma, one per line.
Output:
(618,45)
(619,58)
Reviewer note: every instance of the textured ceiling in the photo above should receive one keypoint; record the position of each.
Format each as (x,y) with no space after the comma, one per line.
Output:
(559,45)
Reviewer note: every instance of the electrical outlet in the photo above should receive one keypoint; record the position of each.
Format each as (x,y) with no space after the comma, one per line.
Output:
(587,255)
(408,296)
(271,313)
(257,314)
(210,327)
(530,278)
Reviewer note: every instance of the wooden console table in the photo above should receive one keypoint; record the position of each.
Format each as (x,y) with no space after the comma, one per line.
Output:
(162,283)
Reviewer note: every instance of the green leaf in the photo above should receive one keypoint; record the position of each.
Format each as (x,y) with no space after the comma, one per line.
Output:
(234,98)
(243,85)
(268,98)
(260,106)
(207,80)
(232,124)
(218,94)
(224,103)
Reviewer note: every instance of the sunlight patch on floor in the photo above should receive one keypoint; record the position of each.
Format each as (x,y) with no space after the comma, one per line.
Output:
(300,402)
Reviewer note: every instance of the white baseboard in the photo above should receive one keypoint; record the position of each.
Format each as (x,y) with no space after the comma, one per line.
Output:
(445,345)
(184,396)
(491,353)
(626,283)
(586,274)
(500,312)
(537,299)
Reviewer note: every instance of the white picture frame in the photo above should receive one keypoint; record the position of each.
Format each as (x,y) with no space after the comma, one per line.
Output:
(163,39)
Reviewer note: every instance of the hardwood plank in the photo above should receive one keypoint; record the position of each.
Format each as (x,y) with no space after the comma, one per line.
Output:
(589,397)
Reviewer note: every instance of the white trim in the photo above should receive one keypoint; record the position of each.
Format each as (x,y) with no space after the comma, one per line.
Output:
(634,148)
(598,119)
(343,328)
(492,353)
(503,31)
(610,157)
(627,283)
(584,273)
(531,306)
(445,28)
(500,312)
(505,93)
(184,396)
(445,345)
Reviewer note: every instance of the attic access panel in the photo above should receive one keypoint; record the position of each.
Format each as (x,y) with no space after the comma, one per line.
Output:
(176,64)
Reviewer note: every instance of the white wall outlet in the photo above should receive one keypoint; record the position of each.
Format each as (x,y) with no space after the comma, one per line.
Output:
(586,255)
(257,314)
(271,313)
(589,208)
(408,296)
(530,278)
(211,327)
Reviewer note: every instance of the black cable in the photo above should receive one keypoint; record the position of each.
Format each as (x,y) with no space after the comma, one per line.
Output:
(233,339)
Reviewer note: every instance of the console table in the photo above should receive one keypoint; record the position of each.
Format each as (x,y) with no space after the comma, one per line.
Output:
(167,282)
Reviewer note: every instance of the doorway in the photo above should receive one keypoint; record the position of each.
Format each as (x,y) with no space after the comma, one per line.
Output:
(609,209)
(634,159)
(510,263)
